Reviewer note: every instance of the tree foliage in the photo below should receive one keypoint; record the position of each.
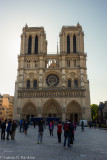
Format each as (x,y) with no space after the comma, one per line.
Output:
(94,111)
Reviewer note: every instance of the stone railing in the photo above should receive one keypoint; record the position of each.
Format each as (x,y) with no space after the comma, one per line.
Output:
(51,93)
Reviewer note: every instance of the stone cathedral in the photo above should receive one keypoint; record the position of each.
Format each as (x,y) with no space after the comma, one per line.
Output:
(52,85)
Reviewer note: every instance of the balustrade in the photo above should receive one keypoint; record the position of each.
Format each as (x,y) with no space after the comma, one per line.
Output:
(57,92)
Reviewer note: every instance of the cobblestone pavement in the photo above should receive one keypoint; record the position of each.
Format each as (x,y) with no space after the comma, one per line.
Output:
(89,145)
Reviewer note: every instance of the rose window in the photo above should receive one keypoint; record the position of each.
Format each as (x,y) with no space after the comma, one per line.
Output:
(52,80)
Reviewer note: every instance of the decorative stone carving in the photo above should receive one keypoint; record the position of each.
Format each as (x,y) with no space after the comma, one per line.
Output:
(31,75)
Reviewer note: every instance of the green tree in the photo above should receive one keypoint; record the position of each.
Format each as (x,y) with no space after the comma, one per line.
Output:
(94,111)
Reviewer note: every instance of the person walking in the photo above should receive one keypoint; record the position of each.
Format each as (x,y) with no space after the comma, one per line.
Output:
(51,127)
(59,131)
(14,126)
(40,132)
(71,132)
(82,126)
(3,128)
(67,134)
(26,127)
(21,121)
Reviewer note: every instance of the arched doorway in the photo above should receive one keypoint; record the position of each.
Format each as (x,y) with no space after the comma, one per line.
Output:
(29,110)
(73,111)
(52,108)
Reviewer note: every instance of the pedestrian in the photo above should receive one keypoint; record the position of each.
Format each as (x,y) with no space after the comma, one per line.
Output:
(90,124)
(14,126)
(3,129)
(51,128)
(59,131)
(40,132)
(25,127)
(21,121)
(9,129)
(67,134)
(71,132)
(82,126)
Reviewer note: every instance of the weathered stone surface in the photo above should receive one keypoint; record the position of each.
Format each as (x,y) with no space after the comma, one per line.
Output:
(57,84)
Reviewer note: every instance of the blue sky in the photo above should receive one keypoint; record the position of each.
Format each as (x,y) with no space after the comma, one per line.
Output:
(52,15)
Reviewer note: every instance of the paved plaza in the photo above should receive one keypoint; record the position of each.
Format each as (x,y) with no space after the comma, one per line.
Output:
(88,145)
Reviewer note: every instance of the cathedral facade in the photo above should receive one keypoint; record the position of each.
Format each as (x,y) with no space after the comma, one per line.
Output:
(52,85)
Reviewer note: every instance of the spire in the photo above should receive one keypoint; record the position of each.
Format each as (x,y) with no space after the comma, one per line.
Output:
(26,26)
(78,25)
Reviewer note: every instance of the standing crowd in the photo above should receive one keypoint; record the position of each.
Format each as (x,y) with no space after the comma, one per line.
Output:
(68,127)
(9,127)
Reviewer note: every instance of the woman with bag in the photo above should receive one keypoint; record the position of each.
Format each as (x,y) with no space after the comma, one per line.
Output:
(59,131)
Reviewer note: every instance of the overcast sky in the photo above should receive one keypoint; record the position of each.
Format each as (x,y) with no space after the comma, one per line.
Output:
(52,15)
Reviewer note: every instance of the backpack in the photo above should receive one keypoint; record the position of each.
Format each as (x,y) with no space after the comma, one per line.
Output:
(66,127)
(41,128)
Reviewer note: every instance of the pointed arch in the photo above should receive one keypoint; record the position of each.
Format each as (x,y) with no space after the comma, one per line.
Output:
(68,44)
(29,45)
(73,111)
(36,45)
(74,44)
(29,110)
(53,108)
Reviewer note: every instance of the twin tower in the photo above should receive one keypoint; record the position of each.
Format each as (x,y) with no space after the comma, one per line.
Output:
(52,85)
(33,40)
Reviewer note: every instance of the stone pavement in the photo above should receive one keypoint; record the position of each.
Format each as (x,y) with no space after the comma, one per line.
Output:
(89,145)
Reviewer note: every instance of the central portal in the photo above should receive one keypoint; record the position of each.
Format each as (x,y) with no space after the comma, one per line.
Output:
(52,108)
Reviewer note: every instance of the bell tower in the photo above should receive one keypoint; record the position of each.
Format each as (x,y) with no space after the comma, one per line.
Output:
(71,40)
(33,41)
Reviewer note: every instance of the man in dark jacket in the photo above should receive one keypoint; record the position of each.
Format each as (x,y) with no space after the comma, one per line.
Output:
(13,129)
(40,132)
(3,128)
(67,133)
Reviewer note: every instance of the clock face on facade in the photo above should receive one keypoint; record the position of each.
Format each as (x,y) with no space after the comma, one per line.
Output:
(52,80)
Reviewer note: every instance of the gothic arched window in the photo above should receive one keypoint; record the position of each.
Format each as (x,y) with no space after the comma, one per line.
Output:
(36,45)
(69,83)
(76,83)
(28,83)
(29,45)
(74,44)
(35,84)
(68,44)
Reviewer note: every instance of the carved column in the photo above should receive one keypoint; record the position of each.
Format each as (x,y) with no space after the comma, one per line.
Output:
(77,41)
(63,42)
(82,42)
(41,43)
(26,44)
(22,48)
